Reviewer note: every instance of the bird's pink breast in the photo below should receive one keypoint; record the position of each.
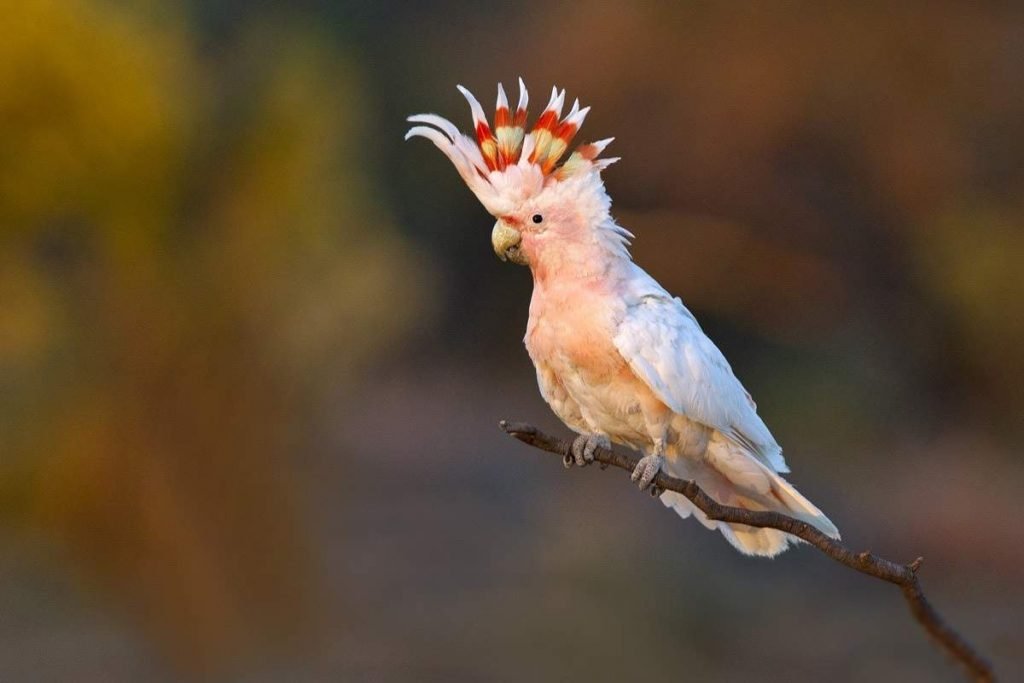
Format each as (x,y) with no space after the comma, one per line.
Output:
(571,335)
(573,326)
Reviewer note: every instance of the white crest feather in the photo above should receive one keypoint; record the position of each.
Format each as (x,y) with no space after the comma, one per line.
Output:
(504,165)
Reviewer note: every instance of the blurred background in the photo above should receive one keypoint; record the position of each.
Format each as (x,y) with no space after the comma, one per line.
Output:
(254,348)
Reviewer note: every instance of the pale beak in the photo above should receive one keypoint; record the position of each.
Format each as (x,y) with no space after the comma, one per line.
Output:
(506,241)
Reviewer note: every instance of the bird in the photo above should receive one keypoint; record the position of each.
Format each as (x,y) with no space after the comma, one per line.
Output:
(618,359)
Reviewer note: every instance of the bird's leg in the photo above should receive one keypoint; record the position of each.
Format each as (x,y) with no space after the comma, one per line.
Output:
(649,466)
(583,447)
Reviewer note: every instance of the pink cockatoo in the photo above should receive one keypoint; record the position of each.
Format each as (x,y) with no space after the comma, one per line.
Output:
(618,358)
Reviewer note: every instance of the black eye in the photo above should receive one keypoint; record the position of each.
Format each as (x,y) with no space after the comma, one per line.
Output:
(537,218)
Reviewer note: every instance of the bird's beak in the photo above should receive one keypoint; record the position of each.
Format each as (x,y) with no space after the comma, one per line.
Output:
(507,243)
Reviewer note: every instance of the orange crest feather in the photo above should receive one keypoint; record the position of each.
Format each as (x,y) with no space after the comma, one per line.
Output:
(503,163)
(503,146)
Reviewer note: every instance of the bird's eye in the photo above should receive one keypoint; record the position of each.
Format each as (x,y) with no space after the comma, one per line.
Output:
(537,218)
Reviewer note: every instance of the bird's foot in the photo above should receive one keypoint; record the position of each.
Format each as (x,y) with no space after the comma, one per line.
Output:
(583,447)
(647,469)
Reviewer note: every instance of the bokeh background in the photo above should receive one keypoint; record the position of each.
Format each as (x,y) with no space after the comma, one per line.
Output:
(254,348)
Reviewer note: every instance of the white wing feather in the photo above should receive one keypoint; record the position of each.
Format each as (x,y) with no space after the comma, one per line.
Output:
(667,349)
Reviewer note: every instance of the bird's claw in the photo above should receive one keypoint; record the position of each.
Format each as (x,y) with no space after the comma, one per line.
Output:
(583,447)
(646,470)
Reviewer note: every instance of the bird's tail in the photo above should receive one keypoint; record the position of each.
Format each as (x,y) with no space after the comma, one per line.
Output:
(732,476)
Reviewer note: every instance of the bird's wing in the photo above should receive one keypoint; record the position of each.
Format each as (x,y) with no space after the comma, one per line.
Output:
(667,349)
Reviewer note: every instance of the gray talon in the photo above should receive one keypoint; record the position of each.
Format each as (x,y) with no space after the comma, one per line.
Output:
(646,470)
(579,444)
(584,445)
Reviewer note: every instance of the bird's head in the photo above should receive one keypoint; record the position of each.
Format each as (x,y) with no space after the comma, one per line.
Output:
(541,205)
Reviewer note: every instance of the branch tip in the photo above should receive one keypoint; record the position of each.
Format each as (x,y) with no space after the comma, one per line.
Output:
(904,576)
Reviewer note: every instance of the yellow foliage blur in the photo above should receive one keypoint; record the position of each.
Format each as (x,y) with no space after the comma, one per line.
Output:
(187,247)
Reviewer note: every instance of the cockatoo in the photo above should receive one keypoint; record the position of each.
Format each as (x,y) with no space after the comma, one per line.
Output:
(618,358)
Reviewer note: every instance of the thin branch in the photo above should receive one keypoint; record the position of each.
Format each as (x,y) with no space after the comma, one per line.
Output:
(902,575)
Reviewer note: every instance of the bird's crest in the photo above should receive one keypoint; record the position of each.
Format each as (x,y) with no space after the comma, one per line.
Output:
(505,165)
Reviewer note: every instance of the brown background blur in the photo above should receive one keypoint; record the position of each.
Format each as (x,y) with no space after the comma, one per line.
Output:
(253,347)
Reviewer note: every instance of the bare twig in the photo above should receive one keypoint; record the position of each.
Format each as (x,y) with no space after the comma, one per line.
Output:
(902,575)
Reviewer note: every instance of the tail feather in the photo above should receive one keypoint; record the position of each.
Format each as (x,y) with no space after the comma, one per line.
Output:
(733,477)
(796,505)
(748,540)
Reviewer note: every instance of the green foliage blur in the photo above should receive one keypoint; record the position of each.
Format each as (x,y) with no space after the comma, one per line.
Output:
(253,346)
